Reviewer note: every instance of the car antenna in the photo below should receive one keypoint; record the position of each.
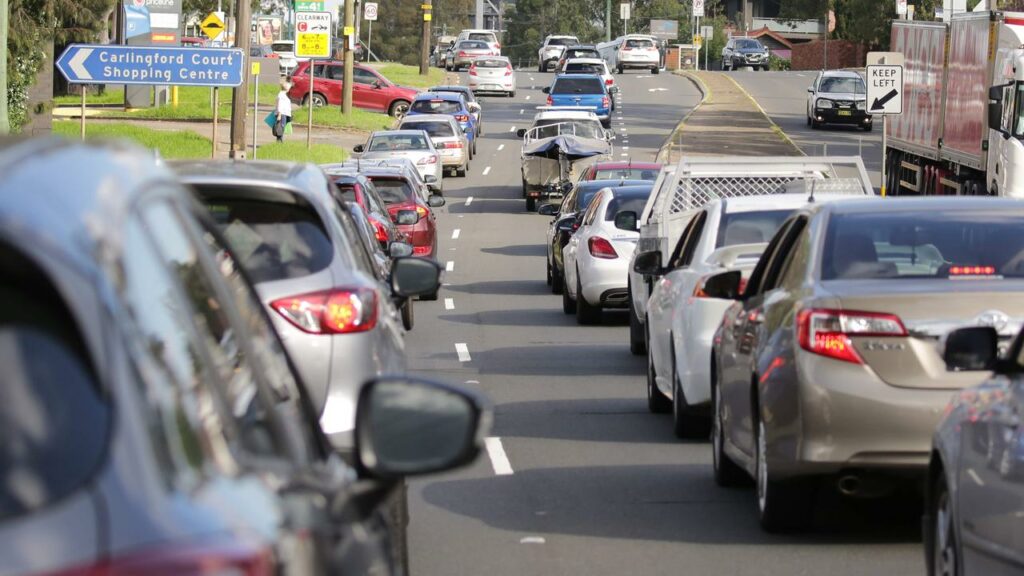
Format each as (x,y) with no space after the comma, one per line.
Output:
(810,197)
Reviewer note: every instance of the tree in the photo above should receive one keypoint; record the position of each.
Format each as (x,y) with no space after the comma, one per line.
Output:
(862,21)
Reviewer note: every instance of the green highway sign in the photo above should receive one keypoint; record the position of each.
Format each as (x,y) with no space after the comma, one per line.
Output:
(309,6)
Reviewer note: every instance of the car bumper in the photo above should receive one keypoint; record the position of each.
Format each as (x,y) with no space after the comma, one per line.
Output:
(491,85)
(639,63)
(842,116)
(453,157)
(422,236)
(603,280)
(841,416)
(746,61)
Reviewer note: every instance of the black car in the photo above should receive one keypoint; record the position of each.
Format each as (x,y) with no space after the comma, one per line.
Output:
(742,52)
(571,52)
(566,222)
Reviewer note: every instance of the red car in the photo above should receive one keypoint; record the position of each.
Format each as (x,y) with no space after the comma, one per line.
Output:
(370,90)
(401,194)
(622,170)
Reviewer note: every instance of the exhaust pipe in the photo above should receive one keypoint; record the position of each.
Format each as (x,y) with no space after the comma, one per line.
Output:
(849,485)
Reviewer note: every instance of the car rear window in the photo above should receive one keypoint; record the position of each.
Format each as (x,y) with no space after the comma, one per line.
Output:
(632,43)
(577,86)
(398,143)
(562,41)
(581,53)
(394,190)
(435,129)
(485,36)
(579,67)
(473,45)
(633,201)
(491,63)
(749,227)
(964,244)
(272,240)
(437,106)
(649,174)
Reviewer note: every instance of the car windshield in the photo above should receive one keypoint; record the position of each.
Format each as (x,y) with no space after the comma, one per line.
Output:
(272,240)
(641,43)
(436,106)
(582,128)
(630,173)
(435,129)
(398,143)
(752,227)
(562,41)
(584,68)
(842,85)
(631,202)
(577,86)
(473,45)
(749,45)
(961,244)
(394,190)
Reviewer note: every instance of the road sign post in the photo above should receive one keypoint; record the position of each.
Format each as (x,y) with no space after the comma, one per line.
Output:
(624,15)
(884,94)
(370,14)
(313,41)
(255,104)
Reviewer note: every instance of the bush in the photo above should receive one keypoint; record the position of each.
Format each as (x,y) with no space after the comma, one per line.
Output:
(776,63)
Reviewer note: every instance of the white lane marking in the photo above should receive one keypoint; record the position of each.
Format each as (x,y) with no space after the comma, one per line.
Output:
(469,201)
(657,89)
(624,129)
(499,460)
(471,382)
(532,540)
(521,110)
(623,154)
(463,351)
(531,79)
(974,476)
(512,129)
(624,148)
(455,234)
(501,147)
(487,171)
(450,265)
(449,304)
(527,96)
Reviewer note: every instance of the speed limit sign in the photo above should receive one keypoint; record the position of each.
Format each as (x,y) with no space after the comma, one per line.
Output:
(370,11)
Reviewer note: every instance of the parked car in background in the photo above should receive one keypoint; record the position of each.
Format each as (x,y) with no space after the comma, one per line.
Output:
(370,89)
(465,52)
(647,171)
(493,75)
(838,97)
(743,52)
(826,368)
(285,50)
(448,103)
(447,136)
(414,145)
(572,52)
(337,320)
(587,90)
(551,50)
(471,103)
(598,253)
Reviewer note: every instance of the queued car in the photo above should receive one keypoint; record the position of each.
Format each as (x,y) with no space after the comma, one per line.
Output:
(566,220)
(493,75)
(370,89)
(591,66)
(339,323)
(581,90)
(597,255)
(404,166)
(153,423)
(414,145)
(742,52)
(355,187)
(587,52)
(471,102)
(613,170)
(482,35)
(450,103)
(464,52)
(826,367)
(447,136)
(838,97)
(551,50)
(638,51)
(726,234)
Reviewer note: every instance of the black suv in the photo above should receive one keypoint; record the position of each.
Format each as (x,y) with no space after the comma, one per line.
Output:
(741,52)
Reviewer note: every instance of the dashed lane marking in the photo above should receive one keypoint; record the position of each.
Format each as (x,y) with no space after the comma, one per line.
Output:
(455,234)
(450,265)
(487,170)
(463,351)
(449,304)
(469,201)
(501,147)
(499,460)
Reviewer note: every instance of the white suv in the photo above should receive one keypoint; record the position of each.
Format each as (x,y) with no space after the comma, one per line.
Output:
(552,49)
(638,52)
(489,36)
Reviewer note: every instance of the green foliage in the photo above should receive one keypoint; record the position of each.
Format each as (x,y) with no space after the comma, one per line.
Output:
(776,63)
(864,21)
(170,144)
(295,151)
(404,75)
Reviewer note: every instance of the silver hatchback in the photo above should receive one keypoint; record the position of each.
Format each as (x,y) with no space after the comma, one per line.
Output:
(448,138)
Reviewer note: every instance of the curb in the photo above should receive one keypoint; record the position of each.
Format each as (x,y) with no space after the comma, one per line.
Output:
(775,127)
(705,92)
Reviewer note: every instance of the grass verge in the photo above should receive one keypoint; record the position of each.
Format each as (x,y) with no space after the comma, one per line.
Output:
(410,75)
(170,144)
(295,151)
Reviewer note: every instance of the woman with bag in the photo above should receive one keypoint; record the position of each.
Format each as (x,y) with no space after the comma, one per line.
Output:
(283,111)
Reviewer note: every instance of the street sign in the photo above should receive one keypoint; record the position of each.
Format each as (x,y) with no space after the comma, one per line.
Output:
(624,9)
(885,89)
(698,8)
(370,11)
(313,34)
(150,65)
(707,32)
(697,40)
(901,7)
(212,26)
(309,6)
(665,29)
(891,58)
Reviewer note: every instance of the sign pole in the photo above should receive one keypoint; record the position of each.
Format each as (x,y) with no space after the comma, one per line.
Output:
(369,41)
(255,111)
(83,111)
(885,122)
(309,99)
(240,93)
(216,105)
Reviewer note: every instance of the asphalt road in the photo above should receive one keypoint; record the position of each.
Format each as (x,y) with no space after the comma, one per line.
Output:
(783,95)
(579,478)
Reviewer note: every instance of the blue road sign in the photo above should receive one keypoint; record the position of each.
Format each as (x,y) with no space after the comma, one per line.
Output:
(115,64)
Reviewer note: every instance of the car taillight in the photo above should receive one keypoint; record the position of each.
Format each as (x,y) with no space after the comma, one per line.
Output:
(420,250)
(472,70)
(604,102)
(462,117)
(422,211)
(204,559)
(497,45)
(827,332)
(626,49)
(609,81)
(379,232)
(451,145)
(698,290)
(508,70)
(461,53)
(601,248)
(551,102)
(427,160)
(972,270)
(338,311)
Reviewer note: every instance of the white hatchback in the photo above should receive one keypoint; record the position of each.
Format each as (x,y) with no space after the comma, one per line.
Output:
(494,74)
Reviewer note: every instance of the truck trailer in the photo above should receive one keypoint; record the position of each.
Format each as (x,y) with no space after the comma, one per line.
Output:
(961,128)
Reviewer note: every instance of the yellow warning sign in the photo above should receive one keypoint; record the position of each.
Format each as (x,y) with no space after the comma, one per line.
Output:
(313,34)
(212,26)
(427,17)
(255,68)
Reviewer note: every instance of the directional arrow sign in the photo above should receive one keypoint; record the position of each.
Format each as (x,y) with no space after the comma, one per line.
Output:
(115,64)
(885,89)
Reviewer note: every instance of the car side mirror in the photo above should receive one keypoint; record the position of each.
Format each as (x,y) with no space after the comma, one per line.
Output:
(521,132)
(725,285)
(548,209)
(406,217)
(466,129)
(546,90)
(430,179)
(435,201)
(399,249)
(414,277)
(358,148)
(995,116)
(810,89)
(409,426)
(648,263)
(626,220)
(973,348)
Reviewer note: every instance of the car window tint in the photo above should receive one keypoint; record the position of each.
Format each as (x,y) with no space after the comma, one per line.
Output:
(588,216)
(434,129)
(843,85)
(491,63)
(634,43)
(649,174)
(757,277)
(221,340)
(361,76)
(363,259)
(273,240)
(375,204)
(794,269)
(782,255)
(473,45)
(484,36)
(625,203)
(690,247)
(336,72)
(394,190)
(749,227)
(577,86)
(436,106)
(561,41)
(399,143)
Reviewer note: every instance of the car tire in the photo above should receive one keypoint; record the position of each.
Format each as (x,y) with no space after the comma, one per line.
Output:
(568,304)
(557,280)
(398,108)
(319,100)
(815,125)
(655,70)
(686,423)
(942,553)
(637,346)
(586,314)
(781,506)
(512,94)
(868,127)
(531,203)
(430,297)
(408,317)
(657,403)
(808,119)
(620,70)
(542,67)
(726,472)
(461,172)
(547,267)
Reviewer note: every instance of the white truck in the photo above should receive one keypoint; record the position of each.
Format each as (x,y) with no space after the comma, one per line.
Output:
(959,132)
(681,190)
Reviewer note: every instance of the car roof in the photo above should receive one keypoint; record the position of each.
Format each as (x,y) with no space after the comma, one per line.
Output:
(585,61)
(397,132)
(450,88)
(582,46)
(577,75)
(612,183)
(922,204)
(632,190)
(294,175)
(618,164)
(775,201)
(566,114)
(560,36)
(439,96)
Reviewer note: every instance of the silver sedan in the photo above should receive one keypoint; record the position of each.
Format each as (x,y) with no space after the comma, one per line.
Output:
(415,145)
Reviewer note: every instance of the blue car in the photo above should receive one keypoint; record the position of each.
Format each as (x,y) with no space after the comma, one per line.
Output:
(447,103)
(581,90)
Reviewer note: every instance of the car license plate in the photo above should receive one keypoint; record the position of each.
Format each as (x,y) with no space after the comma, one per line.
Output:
(845,113)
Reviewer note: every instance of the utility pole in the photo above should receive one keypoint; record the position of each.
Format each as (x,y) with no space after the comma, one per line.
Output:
(5,123)
(608,20)
(425,41)
(240,94)
(349,31)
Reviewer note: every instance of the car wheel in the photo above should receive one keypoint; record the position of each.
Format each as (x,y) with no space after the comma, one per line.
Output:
(726,472)
(781,506)
(620,70)
(868,127)
(685,423)
(542,67)
(408,318)
(725,67)
(657,403)
(815,124)
(944,559)
(512,94)
(568,304)
(398,108)
(655,70)
(637,346)
(547,268)
(586,315)
(531,203)
(557,280)
(808,118)
(319,100)
(461,172)
(474,147)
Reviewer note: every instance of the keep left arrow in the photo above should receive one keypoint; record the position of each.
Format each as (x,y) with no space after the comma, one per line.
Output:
(879,103)
(77,64)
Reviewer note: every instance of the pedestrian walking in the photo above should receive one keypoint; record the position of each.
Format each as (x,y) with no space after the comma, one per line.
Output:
(283,111)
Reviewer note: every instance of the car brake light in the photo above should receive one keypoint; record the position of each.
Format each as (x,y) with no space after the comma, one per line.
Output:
(508,70)
(427,160)
(338,311)
(379,232)
(420,250)
(198,559)
(462,117)
(604,102)
(698,291)
(551,102)
(601,248)
(609,81)
(472,70)
(972,270)
(827,332)
(461,53)
(422,211)
(451,145)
